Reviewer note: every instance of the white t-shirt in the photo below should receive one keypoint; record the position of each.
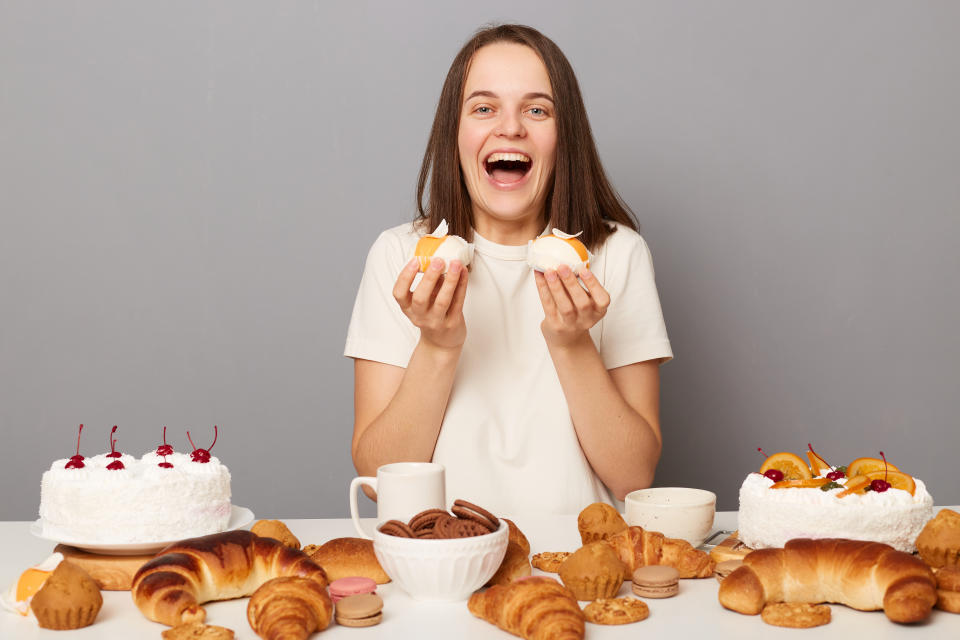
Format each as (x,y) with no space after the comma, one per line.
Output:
(507,439)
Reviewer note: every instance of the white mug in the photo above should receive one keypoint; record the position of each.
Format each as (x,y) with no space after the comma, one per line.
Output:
(676,512)
(404,489)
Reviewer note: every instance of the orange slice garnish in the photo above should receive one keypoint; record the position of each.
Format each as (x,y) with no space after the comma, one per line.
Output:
(818,466)
(897,480)
(855,485)
(809,483)
(792,466)
(863,466)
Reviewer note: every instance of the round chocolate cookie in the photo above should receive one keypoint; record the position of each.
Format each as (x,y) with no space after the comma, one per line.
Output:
(397,528)
(470,511)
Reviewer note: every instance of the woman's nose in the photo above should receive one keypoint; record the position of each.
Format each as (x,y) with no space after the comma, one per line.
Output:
(511,125)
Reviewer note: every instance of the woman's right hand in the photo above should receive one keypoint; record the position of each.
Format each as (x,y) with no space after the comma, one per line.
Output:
(436,305)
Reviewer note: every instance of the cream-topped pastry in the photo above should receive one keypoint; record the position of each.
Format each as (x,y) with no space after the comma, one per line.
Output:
(769,517)
(557,248)
(17,597)
(441,245)
(150,499)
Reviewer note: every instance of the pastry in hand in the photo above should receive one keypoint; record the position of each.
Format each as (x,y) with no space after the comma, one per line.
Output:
(347,557)
(558,248)
(599,521)
(640,548)
(441,245)
(939,540)
(289,608)
(69,599)
(535,608)
(593,571)
(515,565)
(276,530)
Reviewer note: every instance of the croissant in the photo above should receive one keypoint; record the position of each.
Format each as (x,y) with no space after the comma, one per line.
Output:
(537,608)
(862,575)
(639,548)
(289,608)
(171,587)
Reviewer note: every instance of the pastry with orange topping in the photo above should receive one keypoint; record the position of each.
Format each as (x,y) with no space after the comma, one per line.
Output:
(554,249)
(789,499)
(440,244)
(17,598)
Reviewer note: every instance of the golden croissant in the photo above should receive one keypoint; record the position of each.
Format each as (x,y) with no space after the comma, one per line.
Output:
(537,608)
(862,575)
(639,548)
(171,587)
(289,608)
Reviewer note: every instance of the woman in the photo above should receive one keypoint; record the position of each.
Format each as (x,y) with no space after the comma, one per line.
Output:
(536,393)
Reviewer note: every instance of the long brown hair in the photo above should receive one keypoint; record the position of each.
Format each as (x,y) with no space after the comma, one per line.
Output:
(580,196)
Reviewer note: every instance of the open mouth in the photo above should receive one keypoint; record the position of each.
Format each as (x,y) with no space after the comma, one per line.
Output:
(507,167)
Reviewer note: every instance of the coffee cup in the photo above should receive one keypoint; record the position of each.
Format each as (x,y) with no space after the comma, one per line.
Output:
(676,512)
(403,490)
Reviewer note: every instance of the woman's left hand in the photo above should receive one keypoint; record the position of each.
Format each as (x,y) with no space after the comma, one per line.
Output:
(569,310)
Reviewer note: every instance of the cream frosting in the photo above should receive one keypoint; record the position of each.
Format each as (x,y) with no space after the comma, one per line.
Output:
(451,247)
(769,517)
(142,502)
(551,251)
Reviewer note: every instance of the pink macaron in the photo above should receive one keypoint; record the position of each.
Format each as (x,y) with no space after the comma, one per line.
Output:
(352,586)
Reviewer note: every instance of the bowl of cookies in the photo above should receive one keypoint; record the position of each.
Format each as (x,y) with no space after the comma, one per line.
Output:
(442,555)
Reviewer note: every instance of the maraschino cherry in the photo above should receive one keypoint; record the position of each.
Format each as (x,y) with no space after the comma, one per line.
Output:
(113,454)
(879,485)
(165,449)
(833,475)
(76,461)
(116,465)
(165,464)
(774,474)
(202,455)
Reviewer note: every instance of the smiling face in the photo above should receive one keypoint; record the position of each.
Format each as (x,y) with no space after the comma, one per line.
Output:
(507,141)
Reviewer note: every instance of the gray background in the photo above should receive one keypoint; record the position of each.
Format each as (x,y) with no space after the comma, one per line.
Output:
(188,191)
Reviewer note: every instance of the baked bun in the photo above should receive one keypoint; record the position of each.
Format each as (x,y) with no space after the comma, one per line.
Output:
(593,571)
(69,599)
(557,248)
(441,245)
(598,522)
(276,530)
(348,557)
(517,536)
(939,540)
(515,565)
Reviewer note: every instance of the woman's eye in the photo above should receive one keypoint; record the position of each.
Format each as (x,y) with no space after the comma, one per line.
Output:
(539,112)
(483,109)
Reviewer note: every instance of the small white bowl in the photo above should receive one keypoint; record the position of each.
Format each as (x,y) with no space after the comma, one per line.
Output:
(448,570)
(676,512)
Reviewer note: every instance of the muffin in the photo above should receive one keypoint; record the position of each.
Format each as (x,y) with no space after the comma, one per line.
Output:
(593,571)
(939,540)
(69,599)
(598,522)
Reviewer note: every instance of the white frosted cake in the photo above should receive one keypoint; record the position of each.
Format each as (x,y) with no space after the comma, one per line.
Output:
(769,517)
(142,502)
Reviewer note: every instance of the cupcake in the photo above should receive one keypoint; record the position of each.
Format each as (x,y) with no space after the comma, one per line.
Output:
(593,571)
(598,522)
(69,599)
(939,540)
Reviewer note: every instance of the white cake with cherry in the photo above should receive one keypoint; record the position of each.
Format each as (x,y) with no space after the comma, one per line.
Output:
(788,499)
(116,498)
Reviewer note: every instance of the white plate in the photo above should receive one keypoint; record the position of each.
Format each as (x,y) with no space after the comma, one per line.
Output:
(240,517)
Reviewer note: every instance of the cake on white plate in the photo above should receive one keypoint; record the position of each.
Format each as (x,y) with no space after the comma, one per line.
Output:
(803,502)
(158,497)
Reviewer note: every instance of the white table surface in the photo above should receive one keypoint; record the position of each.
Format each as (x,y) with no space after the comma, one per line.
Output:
(694,611)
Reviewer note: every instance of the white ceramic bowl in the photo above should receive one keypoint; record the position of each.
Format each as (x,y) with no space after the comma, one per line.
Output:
(448,570)
(676,512)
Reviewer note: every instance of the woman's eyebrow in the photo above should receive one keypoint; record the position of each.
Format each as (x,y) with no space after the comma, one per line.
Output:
(483,93)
